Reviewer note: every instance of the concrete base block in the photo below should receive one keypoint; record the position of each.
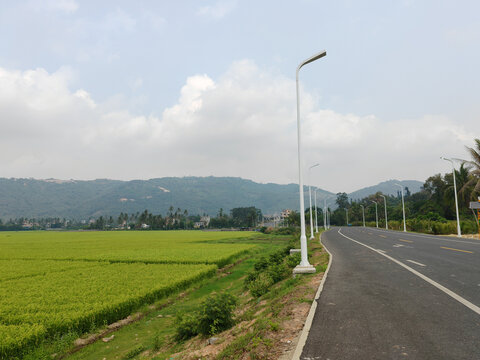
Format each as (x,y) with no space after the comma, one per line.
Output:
(304,270)
(293,251)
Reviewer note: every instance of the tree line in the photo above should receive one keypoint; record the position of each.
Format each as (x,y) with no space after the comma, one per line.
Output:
(431,210)
(174,219)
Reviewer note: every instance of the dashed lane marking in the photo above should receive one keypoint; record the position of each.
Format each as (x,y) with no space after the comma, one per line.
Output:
(416,263)
(409,241)
(465,251)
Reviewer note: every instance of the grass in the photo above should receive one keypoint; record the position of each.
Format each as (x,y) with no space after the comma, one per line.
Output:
(151,337)
(53,284)
(158,325)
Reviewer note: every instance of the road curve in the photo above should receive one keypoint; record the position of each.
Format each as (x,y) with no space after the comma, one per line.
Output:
(394,295)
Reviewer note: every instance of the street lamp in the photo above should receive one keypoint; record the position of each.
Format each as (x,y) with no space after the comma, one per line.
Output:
(316,212)
(346,211)
(310,195)
(376,212)
(328,217)
(385,202)
(459,232)
(403,206)
(363,213)
(325,214)
(304,266)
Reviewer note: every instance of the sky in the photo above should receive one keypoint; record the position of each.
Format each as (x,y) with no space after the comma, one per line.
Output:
(146,89)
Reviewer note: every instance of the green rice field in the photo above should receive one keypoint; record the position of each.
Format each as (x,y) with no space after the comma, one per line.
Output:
(55,282)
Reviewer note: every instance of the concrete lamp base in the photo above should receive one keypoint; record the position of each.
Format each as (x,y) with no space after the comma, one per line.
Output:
(310,269)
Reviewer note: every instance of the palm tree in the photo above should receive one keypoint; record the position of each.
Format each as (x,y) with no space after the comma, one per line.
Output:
(464,184)
(475,180)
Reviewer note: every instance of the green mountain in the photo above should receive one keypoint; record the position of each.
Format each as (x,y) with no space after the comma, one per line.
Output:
(74,199)
(387,188)
(85,199)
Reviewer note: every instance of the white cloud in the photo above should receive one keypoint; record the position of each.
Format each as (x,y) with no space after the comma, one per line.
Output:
(218,10)
(241,124)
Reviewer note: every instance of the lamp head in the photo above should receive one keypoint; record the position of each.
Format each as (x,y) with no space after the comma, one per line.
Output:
(312,59)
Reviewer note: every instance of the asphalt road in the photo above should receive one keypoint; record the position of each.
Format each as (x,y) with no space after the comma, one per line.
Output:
(396,295)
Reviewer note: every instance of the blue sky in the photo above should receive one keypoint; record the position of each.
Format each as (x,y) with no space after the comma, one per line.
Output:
(207,88)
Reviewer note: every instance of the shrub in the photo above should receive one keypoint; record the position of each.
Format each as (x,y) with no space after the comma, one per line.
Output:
(278,272)
(217,313)
(276,258)
(261,284)
(187,326)
(294,259)
(261,264)
(250,277)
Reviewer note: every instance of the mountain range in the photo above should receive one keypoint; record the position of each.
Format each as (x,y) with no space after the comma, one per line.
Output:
(84,199)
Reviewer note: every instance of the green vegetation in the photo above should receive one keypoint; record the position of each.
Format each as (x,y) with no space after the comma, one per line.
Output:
(214,316)
(432,210)
(156,331)
(269,271)
(186,247)
(53,283)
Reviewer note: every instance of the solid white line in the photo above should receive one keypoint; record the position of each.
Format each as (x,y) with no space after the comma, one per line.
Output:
(449,292)
(417,263)
(308,323)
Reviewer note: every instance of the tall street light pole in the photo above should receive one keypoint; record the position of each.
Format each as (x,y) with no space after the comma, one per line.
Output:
(316,212)
(459,232)
(385,202)
(403,206)
(327,212)
(324,214)
(363,213)
(376,212)
(310,195)
(304,266)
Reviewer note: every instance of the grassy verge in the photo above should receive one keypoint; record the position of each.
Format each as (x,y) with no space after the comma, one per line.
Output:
(261,322)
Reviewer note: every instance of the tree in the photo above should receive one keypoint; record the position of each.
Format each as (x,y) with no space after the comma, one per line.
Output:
(293,218)
(464,185)
(342,200)
(475,180)
(245,216)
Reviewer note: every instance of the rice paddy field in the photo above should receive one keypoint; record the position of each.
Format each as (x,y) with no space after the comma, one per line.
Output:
(55,282)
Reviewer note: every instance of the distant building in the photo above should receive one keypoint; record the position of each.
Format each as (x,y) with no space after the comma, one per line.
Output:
(285,213)
(203,223)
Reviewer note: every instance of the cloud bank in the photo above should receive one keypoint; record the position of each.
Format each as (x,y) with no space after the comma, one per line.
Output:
(241,124)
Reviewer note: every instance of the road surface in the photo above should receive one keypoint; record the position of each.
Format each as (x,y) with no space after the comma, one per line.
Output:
(396,295)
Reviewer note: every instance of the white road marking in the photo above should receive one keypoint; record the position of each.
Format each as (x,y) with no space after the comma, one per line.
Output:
(432,237)
(449,292)
(414,262)
(398,245)
(382,251)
